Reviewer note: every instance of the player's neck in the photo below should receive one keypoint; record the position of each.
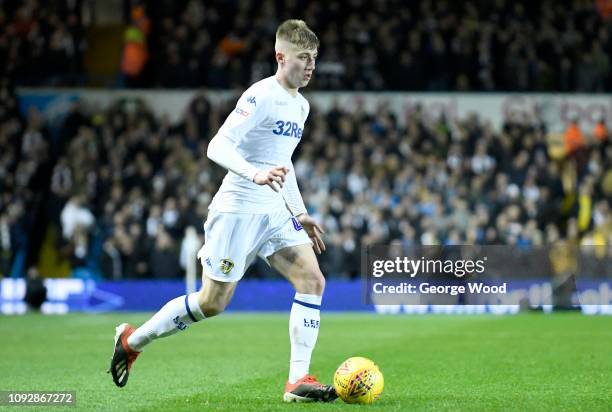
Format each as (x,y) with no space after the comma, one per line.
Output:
(285,85)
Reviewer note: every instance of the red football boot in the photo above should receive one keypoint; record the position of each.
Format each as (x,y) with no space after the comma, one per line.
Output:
(123,355)
(308,389)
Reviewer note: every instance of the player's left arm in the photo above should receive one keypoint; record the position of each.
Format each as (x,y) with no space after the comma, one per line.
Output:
(298,209)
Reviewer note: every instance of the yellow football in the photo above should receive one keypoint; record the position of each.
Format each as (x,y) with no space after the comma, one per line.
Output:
(358,380)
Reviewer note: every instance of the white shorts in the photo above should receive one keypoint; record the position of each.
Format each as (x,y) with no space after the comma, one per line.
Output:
(233,240)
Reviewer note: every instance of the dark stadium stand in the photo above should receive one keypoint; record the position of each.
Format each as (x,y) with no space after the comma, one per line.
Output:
(119,186)
(477,45)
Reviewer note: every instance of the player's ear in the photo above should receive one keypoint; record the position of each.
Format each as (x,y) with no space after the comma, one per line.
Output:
(280,57)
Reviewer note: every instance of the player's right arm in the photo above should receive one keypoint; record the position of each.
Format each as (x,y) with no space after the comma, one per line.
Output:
(221,151)
(222,148)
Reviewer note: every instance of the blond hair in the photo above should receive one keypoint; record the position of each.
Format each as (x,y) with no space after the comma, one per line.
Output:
(297,33)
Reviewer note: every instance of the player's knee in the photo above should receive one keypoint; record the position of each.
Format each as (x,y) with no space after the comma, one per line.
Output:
(313,283)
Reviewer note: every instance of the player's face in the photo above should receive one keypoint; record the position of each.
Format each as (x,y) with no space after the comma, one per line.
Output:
(299,66)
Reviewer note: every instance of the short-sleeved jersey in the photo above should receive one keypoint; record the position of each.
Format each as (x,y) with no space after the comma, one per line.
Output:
(265,127)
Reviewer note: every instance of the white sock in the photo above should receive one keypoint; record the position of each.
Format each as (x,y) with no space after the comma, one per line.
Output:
(173,316)
(303,331)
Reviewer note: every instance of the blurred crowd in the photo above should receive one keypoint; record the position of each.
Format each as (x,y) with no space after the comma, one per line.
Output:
(24,165)
(137,182)
(42,44)
(433,181)
(119,187)
(122,186)
(477,45)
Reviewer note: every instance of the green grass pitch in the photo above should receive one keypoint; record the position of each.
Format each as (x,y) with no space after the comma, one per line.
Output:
(239,362)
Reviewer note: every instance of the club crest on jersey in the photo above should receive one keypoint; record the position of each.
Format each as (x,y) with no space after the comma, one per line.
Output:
(251,99)
(226,265)
(296,224)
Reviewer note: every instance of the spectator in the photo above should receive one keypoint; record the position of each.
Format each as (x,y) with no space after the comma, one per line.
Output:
(164,258)
(36,291)
(75,216)
(5,246)
(135,51)
(600,131)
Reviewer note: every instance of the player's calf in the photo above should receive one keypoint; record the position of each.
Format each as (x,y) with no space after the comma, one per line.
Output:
(214,296)
(210,309)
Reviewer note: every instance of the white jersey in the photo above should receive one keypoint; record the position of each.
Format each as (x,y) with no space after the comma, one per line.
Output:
(265,127)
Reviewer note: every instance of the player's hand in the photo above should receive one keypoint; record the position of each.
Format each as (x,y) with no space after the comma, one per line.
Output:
(272,177)
(314,231)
